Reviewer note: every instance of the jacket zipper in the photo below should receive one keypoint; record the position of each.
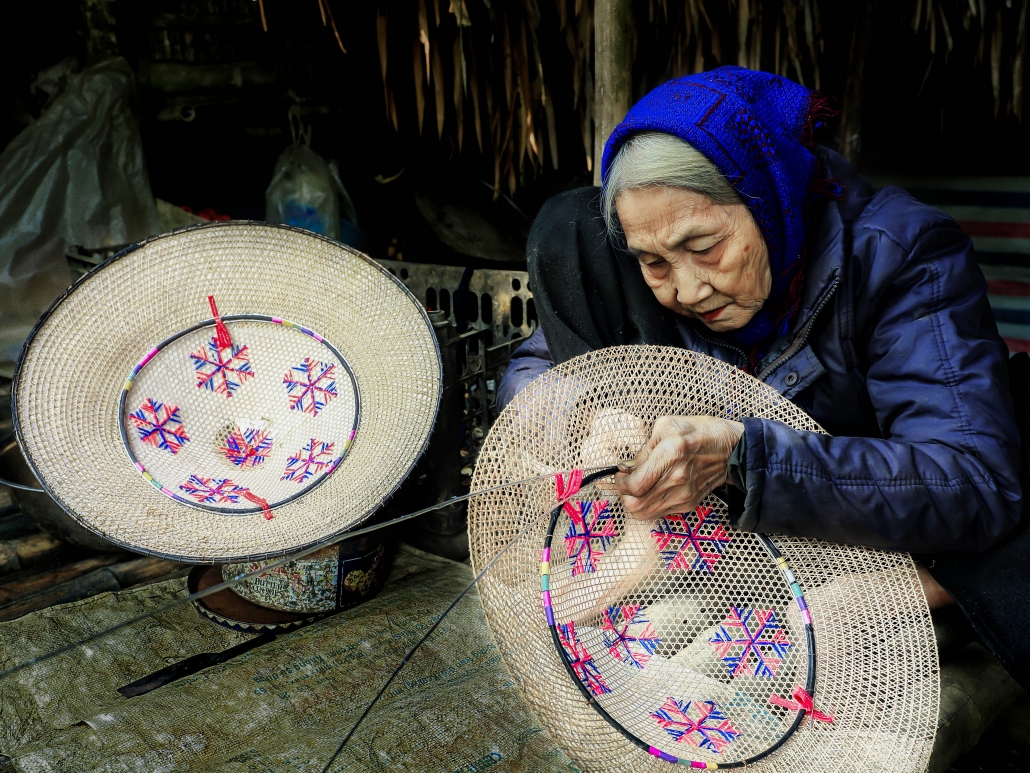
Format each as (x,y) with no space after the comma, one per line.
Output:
(798,343)
(722,344)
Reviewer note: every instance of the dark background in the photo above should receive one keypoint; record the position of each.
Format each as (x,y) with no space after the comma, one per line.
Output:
(913,121)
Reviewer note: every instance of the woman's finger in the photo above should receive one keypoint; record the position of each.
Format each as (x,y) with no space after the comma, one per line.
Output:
(644,477)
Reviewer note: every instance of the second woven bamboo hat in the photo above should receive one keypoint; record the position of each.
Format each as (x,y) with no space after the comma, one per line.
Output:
(682,640)
(228,392)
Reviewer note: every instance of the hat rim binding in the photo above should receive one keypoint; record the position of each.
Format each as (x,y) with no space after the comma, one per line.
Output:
(327,539)
(521,589)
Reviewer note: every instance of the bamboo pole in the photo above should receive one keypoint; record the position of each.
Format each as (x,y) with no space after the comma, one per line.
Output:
(613,70)
(20,585)
(24,552)
(108,578)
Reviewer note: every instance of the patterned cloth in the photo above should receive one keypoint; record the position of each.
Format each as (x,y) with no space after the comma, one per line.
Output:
(754,126)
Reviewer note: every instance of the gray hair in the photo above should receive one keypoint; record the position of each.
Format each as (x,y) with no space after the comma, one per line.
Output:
(656,158)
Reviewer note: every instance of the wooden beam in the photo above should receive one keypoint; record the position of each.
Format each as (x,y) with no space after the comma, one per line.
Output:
(613,70)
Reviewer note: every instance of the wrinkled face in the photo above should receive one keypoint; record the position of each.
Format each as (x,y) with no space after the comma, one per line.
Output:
(702,260)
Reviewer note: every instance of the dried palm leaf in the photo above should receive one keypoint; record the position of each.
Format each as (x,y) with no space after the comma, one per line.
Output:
(492,115)
(552,130)
(532,140)
(522,62)
(690,20)
(756,39)
(508,74)
(321,9)
(393,108)
(461,13)
(474,85)
(917,16)
(743,17)
(261,9)
(381,39)
(459,92)
(793,49)
(423,33)
(704,13)
(996,38)
(332,22)
(776,47)
(806,6)
(420,95)
(587,116)
(524,125)
(810,39)
(931,19)
(538,91)
(947,33)
(1017,64)
(439,91)
(573,47)
(818,29)
(436,12)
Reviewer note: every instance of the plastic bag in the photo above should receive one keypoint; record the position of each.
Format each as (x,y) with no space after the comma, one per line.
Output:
(75,176)
(306,190)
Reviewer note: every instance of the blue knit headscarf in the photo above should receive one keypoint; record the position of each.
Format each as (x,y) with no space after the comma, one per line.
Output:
(756,128)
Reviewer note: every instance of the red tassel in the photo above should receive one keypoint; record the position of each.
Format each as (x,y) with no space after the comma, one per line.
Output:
(568,488)
(802,702)
(262,503)
(222,338)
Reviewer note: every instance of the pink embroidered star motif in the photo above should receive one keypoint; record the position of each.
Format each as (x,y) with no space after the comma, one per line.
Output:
(698,723)
(160,425)
(247,447)
(591,530)
(311,385)
(221,370)
(751,637)
(696,547)
(314,457)
(213,491)
(629,635)
(581,661)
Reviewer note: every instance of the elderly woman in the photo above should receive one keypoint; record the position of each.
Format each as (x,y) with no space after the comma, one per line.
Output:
(721,228)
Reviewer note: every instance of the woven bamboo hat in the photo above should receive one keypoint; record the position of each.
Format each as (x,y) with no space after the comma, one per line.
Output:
(228,392)
(683,640)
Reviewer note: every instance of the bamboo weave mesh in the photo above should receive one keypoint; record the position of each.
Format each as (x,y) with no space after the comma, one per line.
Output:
(67,387)
(876,660)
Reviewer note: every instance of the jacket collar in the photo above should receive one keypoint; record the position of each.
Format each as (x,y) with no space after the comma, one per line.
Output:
(830,236)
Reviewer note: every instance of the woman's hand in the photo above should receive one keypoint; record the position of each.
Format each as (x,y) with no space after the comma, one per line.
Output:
(685,460)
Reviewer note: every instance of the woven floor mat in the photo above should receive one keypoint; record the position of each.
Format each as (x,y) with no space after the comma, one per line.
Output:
(282,707)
